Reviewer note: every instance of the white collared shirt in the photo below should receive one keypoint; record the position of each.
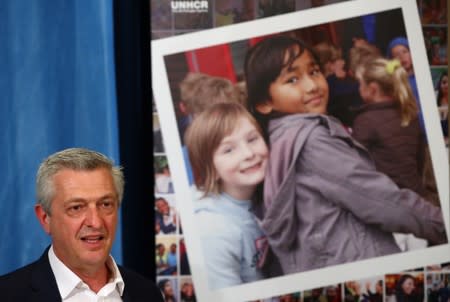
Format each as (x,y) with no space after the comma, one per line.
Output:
(73,289)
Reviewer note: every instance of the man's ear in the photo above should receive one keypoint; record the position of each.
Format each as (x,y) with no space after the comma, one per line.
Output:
(264,108)
(43,217)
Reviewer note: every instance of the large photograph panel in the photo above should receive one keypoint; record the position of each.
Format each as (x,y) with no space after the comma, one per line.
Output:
(340,25)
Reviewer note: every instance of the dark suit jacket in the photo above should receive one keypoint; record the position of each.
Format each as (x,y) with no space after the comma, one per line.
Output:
(36,283)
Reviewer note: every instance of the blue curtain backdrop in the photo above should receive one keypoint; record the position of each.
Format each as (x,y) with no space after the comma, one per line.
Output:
(57,90)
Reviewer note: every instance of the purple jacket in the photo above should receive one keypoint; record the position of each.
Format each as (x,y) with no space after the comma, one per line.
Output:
(326,204)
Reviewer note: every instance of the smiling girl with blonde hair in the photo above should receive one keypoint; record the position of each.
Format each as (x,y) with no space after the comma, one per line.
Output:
(229,157)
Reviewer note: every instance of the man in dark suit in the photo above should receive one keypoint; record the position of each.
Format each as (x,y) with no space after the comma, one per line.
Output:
(78,196)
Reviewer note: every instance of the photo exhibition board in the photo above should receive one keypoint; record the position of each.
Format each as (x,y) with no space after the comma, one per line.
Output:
(180,193)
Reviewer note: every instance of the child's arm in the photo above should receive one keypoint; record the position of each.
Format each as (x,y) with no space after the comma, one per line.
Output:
(347,176)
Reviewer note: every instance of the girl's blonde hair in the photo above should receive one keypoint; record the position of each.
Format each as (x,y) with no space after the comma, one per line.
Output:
(204,136)
(393,81)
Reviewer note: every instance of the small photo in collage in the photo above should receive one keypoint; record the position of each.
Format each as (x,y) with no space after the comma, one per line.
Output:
(161,14)
(407,286)
(163,179)
(228,12)
(169,287)
(267,8)
(158,145)
(166,217)
(185,21)
(202,47)
(331,293)
(365,290)
(166,256)
(433,11)
(436,45)
(187,291)
(437,286)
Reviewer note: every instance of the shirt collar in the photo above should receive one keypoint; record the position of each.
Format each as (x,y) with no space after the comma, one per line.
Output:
(68,281)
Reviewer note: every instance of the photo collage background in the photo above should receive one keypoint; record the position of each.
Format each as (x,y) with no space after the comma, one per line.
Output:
(172,267)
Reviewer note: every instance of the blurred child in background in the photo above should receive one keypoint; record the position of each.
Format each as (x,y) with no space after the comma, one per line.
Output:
(343,89)
(398,48)
(198,92)
(387,125)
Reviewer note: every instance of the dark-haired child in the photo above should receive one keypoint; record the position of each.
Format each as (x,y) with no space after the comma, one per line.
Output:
(324,201)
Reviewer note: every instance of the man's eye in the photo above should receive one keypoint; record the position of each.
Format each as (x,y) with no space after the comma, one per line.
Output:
(75,209)
(107,204)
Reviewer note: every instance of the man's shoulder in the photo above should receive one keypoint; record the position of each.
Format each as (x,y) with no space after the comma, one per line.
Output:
(32,282)
(17,285)
(19,274)
(138,286)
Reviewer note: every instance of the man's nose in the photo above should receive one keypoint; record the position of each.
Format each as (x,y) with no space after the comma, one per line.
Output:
(93,217)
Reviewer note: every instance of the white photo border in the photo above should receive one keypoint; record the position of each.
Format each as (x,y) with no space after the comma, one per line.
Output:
(300,19)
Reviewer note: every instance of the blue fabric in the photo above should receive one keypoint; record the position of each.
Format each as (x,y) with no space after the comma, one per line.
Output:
(369,22)
(57,88)
(394,42)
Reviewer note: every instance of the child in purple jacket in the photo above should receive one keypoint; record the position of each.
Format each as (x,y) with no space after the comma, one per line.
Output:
(324,201)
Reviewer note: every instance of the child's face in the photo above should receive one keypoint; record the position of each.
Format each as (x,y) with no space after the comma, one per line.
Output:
(300,88)
(240,160)
(402,53)
(338,68)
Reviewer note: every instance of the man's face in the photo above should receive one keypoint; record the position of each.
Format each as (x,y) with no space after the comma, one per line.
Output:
(83,218)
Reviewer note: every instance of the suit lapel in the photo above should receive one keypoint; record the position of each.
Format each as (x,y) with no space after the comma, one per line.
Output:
(126,297)
(43,282)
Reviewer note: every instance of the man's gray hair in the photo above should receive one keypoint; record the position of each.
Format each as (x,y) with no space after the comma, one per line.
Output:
(78,159)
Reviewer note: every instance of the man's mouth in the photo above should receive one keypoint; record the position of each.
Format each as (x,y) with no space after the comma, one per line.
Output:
(92,239)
